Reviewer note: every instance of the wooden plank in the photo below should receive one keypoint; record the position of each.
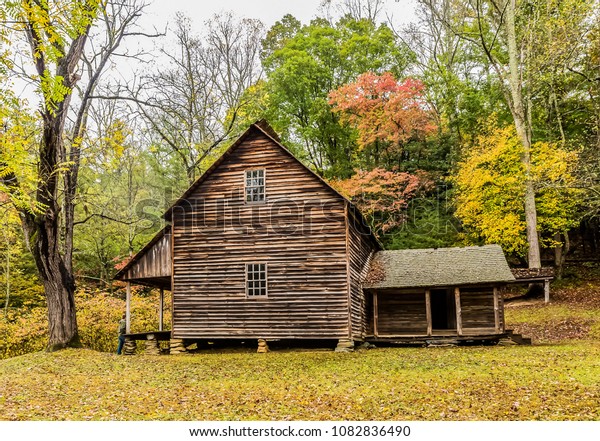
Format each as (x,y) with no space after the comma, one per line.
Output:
(128,309)
(404,313)
(375,314)
(496,310)
(348,270)
(161,309)
(459,329)
(428,310)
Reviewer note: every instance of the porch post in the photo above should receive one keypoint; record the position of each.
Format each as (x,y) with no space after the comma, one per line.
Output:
(128,309)
(496,310)
(458,311)
(428,310)
(375,314)
(161,308)
(547,291)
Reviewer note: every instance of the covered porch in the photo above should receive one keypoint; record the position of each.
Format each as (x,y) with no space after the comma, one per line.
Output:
(151,267)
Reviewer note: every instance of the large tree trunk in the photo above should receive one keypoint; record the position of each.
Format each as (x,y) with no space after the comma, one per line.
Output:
(43,233)
(59,286)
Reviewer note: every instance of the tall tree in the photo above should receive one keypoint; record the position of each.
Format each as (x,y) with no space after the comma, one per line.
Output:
(57,33)
(304,67)
(507,32)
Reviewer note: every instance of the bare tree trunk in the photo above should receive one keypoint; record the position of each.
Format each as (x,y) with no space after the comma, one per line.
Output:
(524,133)
(560,253)
(7,271)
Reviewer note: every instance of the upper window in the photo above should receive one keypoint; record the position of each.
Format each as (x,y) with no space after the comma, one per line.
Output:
(255,185)
(256,279)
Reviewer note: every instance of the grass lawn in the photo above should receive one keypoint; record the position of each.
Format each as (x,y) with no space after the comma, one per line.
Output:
(489,383)
(556,379)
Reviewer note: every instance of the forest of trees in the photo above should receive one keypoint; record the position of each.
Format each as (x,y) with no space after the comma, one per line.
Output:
(478,123)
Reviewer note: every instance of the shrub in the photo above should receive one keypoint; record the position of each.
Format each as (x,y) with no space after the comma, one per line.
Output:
(98,314)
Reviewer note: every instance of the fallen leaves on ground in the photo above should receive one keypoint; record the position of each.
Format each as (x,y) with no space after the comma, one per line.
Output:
(462,383)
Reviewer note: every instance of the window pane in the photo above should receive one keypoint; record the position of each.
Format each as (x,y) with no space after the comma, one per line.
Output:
(256,279)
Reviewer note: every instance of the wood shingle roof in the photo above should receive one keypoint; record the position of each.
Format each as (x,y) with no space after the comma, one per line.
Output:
(438,267)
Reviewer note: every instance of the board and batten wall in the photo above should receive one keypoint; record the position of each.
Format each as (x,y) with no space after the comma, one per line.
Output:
(299,232)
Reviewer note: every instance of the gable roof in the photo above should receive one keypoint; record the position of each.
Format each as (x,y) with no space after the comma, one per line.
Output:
(263,128)
(438,267)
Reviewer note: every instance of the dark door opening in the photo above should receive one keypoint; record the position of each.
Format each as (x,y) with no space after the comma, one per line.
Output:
(443,310)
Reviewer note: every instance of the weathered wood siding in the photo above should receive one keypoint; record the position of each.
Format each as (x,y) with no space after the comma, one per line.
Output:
(299,232)
(154,262)
(401,313)
(477,307)
(360,251)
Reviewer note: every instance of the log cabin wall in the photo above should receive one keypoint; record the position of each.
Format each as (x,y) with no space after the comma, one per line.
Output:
(299,232)
(361,246)
(401,313)
(477,307)
(154,261)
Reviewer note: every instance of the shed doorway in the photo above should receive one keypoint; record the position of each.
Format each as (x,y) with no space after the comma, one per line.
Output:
(443,311)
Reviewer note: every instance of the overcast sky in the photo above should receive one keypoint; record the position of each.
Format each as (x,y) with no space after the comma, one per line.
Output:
(269,11)
(161,13)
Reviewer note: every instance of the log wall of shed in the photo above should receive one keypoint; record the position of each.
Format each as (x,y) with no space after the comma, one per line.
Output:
(477,307)
(153,263)
(299,232)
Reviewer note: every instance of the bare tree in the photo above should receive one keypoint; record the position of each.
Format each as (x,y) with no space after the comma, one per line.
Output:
(358,9)
(192,104)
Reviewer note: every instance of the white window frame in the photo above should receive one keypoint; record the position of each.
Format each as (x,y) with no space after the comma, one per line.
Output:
(264,185)
(247,282)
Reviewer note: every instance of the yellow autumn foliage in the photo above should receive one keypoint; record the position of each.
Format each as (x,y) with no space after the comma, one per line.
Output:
(98,315)
(490,190)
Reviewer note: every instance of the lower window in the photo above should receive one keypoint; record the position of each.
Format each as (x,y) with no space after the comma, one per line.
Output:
(256,279)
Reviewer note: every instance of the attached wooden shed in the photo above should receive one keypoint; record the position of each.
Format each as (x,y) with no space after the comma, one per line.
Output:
(445,292)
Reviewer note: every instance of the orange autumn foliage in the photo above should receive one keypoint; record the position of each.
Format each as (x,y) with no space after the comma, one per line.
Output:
(383,196)
(383,109)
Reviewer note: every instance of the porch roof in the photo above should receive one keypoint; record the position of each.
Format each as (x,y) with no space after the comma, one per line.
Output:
(438,267)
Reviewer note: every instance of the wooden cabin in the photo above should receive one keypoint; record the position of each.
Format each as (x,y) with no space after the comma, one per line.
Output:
(444,292)
(260,247)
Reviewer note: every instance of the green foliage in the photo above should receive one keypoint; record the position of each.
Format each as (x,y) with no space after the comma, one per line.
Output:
(430,224)
(304,64)
(490,188)
(53,90)
(122,192)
